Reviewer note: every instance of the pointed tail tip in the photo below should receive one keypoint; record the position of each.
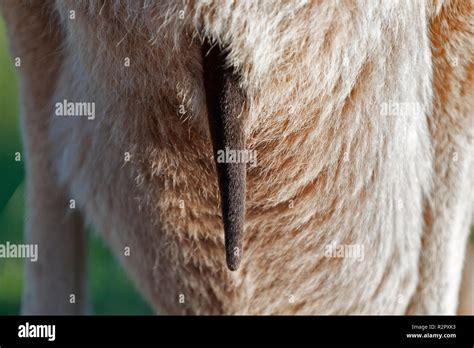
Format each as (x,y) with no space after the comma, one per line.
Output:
(233,214)
(233,257)
(233,263)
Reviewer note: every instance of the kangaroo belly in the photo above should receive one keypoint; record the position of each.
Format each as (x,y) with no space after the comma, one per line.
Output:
(334,190)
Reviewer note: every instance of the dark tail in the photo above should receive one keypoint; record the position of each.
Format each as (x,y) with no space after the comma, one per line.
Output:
(225,101)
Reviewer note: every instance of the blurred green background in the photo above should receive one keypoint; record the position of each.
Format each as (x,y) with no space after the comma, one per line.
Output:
(110,290)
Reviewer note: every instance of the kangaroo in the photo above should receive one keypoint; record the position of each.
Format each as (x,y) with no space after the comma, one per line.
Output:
(358,115)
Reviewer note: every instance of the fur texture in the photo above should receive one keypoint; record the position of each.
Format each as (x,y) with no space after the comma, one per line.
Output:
(331,167)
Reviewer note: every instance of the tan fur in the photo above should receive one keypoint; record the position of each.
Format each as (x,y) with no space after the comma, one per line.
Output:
(330,168)
(60,270)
